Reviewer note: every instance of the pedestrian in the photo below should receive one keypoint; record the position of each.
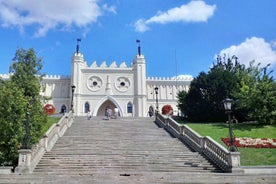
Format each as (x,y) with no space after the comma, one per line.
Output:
(150,112)
(109,113)
(235,120)
(116,111)
(89,115)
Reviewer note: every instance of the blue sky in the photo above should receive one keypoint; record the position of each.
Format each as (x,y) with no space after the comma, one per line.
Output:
(177,37)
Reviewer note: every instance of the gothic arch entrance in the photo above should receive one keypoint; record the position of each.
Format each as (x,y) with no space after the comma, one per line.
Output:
(107,102)
(102,109)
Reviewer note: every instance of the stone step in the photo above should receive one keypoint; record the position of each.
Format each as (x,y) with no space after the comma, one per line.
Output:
(120,145)
(129,162)
(136,177)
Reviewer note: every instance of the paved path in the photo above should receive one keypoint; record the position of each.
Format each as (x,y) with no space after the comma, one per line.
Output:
(125,151)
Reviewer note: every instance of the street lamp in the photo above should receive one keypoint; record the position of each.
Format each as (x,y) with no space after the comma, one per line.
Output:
(73,90)
(27,131)
(156,93)
(228,109)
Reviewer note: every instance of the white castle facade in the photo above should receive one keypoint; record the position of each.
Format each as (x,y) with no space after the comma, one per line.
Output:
(98,87)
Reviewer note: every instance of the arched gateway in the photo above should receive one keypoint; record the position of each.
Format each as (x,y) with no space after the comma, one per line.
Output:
(103,104)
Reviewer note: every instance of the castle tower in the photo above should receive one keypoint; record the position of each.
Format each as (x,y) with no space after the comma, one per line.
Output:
(140,94)
(78,63)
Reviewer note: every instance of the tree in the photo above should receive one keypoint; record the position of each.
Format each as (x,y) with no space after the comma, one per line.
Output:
(194,101)
(203,101)
(181,95)
(25,71)
(251,88)
(257,94)
(20,95)
(12,113)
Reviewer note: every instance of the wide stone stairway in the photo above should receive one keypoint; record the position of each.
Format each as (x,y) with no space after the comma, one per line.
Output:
(123,151)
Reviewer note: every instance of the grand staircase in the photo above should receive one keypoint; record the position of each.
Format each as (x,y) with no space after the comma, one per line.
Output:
(124,146)
(122,151)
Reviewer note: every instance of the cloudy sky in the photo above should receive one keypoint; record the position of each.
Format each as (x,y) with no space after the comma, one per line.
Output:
(177,36)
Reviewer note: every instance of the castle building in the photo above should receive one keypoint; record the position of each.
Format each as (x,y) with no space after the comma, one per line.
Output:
(100,87)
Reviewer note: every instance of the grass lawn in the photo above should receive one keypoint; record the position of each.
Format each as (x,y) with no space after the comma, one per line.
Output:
(249,156)
(50,122)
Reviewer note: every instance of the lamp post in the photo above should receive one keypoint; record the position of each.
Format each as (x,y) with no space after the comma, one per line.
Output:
(228,109)
(156,93)
(27,131)
(73,90)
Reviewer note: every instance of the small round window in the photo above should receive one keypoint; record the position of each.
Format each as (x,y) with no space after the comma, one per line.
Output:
(122,84)
(95,83)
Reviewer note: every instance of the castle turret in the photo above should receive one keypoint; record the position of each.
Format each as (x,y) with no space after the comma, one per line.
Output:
(139,67)
(78,63)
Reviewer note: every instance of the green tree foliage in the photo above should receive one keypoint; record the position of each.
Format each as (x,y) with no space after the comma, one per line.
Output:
(257,94)
(12,115)
(181,95)
(21,95)
(203,101)
(26,74)
(251,88)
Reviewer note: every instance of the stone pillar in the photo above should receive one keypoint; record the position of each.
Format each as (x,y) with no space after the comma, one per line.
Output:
(235,162)
(202,144)
(24,161)
(181,130)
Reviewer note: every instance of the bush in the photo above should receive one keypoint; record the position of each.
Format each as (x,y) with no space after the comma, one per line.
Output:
(167,110)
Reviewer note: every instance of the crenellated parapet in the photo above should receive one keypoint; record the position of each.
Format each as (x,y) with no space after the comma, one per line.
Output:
(186,78)
(7,76)
(57,77)
(104,65)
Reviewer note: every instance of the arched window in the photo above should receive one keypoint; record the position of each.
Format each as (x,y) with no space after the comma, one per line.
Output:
(151,111)
(129,107)
(63,109)
(86,107)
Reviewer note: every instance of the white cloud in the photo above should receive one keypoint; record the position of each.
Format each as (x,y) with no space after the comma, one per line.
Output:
(140,25)
(253,49)
(50,14)
(273,43)
(111,9)
(194,11)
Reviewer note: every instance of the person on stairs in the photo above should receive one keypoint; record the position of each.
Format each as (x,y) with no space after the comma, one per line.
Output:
(89,115)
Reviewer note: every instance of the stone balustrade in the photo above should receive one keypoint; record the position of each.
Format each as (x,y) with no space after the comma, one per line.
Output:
(29,158)
(219,155)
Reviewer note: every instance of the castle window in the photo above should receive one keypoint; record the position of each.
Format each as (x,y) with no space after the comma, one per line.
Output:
(129,107)
(122,84)
(86,107)
(95,83)
(63,109)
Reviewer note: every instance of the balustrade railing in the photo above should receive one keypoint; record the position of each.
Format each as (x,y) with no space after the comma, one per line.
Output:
(29,158)
(219,155)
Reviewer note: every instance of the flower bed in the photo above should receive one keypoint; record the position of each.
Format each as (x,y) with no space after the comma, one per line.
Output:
(246,142)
